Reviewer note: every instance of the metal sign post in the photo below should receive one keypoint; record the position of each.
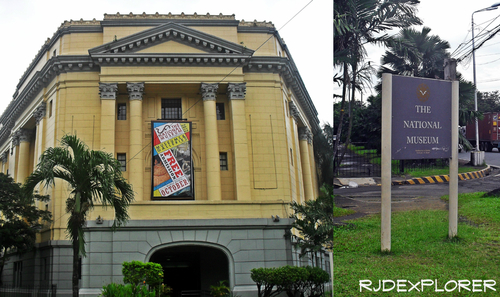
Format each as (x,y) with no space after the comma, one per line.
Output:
(386,161)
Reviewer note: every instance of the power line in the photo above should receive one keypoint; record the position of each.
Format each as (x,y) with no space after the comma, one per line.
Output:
(236,67)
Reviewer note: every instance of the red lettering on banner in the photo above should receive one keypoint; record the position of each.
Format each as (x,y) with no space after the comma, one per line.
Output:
(178,173)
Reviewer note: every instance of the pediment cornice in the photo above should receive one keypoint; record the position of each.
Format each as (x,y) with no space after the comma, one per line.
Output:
(167,32)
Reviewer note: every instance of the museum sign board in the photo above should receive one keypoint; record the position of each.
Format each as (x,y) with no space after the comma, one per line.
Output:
(421,118)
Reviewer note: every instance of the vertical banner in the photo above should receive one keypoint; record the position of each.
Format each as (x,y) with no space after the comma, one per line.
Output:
(172,174)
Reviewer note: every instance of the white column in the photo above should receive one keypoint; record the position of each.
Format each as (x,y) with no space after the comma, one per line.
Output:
(136,158)
(209,95)
(236,93)
(108,116)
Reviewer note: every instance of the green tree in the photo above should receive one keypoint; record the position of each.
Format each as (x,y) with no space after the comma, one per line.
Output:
(323,154)
(94,177)
(314,221)
(416,53)
(19,220)
(356,24)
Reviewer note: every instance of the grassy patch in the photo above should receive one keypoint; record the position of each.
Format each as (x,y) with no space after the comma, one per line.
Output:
(340,212)
(440,171)
(421,249)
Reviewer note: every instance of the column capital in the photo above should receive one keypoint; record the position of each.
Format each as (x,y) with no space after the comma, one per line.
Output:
(135,91)
(40,112)
(209,91)
(294,111)
(4,156)
(15,138)
(305,134)
(108,90)
(236,91)
(24,135)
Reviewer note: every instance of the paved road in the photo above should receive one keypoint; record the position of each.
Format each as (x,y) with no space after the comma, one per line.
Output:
(492,158)
(366,200)
(488,183)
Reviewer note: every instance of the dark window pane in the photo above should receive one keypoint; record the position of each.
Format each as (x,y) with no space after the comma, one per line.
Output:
(122,111)
(122,158)
(171,109)
(220,111)
(223,161)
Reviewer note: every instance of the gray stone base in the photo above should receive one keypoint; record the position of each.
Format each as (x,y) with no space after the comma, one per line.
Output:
(245,243)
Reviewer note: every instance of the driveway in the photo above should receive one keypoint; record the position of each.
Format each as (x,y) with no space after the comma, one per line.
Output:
(366,200)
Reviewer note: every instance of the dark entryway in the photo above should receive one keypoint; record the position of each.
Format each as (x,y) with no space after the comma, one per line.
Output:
(190,270)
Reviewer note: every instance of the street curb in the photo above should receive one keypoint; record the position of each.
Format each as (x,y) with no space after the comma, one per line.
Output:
(442,178)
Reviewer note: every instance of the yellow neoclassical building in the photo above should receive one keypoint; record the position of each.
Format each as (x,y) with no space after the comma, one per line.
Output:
(212,124)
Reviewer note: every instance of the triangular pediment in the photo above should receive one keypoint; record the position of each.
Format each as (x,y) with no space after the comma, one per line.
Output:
(172,47)
(158,39)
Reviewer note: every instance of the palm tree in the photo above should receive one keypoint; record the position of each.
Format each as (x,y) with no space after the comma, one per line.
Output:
(361,22)
(94,177)
(416,53)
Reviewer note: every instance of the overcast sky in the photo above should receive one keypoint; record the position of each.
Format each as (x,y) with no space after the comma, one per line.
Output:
(451,21)
(28,23)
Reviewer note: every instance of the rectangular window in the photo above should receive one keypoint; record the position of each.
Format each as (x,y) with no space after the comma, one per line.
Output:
(122,158)
(291,156)
(45,269)
(50,108)
(171,109)
(18,273)
(223,161)
(122,111)
(221,115)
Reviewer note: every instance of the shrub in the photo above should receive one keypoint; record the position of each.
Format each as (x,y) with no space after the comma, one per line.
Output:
(137,272)
(129,290)
(316,280)
(294,281)
(220,290)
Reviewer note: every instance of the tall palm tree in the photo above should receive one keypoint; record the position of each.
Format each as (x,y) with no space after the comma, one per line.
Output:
(361,22)
(416,53)
(94,177)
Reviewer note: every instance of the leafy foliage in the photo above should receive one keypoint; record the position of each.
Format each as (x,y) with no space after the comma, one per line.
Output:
(220,290)
(323,154)
(128,290)
(19,219)
(314,221)
(93,177)
(293,280)
(137,272)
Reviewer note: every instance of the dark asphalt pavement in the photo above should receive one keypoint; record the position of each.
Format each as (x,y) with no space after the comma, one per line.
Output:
(366,199)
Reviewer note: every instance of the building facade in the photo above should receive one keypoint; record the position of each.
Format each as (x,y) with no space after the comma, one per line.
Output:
(212,124)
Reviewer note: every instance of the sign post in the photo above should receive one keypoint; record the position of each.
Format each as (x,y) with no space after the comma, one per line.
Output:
(419,121)
(386,162)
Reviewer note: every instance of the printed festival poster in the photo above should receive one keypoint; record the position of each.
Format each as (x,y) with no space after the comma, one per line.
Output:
(172,164)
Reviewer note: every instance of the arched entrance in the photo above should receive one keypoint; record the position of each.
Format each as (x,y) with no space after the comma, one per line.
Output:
(191,269)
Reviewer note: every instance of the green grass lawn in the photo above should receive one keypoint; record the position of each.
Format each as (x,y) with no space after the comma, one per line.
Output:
(421,249)
(340,212)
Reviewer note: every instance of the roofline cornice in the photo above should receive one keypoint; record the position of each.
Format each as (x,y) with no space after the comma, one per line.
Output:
(287,69)
(158,22)
(171,31)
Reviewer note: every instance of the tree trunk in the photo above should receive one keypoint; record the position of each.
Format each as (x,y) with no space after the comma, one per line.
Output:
(342,113)
(351,116)
(2,264)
